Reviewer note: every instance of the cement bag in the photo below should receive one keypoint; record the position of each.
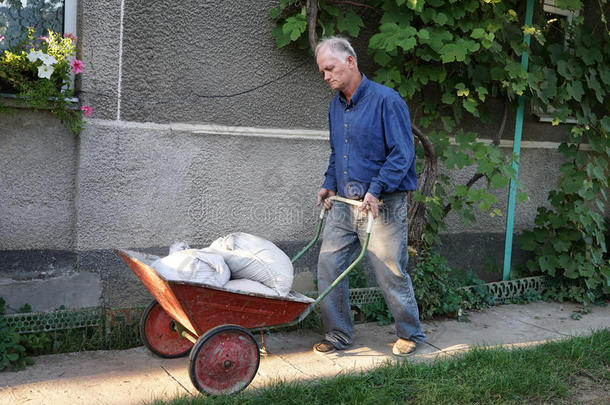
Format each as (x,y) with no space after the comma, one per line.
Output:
(257,259)
(178,246)
(193,265)
(249,286)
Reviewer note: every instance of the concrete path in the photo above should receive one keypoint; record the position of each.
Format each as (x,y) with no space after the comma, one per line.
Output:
(136,376)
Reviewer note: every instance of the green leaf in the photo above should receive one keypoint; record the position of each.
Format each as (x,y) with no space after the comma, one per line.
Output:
(423,34)
(330,9)
(295,26)
(416,5)
(499,181)
(547,264)
(562,68)
(382,58)
(461,190)
(605,123)
(438,38)
(497,73)
(350,22)
(275,12)
(605,76)
(522,196)
(477,33)
(482,92)
(515,70)
(470,105)
(440,18)
(560,245)
(575,90)
(281,38)
(448,98)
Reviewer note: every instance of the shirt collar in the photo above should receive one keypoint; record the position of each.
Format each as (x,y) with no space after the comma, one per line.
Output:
(358,94)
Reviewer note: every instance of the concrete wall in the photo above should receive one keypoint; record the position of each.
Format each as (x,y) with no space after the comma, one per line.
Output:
(201,127)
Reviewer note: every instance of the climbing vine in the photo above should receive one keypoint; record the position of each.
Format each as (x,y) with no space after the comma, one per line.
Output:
(457,63)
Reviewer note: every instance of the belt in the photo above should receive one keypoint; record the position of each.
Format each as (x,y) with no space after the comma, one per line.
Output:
(381,197)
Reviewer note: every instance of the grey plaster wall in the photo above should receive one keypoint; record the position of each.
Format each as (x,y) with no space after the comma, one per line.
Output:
(146,186)
(37,177)
(212,62)
(99,49)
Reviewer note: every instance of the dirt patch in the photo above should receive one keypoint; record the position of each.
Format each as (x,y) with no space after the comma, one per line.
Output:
(590,391)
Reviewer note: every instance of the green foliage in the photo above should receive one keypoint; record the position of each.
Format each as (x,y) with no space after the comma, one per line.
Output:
(12,354)
(358,278)
(569,238)
(437,288)
(16,350)
(452,61)
(36,344)
(438,291)
(377,311)
(38,71)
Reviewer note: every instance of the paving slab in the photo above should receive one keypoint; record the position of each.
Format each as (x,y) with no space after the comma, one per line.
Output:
(136,376)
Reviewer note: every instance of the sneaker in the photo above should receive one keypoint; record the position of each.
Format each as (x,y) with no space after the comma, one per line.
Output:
(403,347)
(324,347)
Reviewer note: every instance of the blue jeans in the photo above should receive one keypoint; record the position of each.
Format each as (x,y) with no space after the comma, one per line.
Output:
(344,232)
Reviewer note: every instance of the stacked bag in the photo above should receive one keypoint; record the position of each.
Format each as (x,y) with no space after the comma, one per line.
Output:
(239,261)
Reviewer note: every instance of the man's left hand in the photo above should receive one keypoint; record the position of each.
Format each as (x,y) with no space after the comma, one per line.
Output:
(370,202)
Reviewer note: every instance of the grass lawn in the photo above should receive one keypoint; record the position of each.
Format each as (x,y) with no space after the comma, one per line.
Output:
(571,371)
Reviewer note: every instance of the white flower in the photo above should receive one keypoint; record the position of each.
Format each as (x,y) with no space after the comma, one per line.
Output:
(48,59)
(33,56)
(45,71)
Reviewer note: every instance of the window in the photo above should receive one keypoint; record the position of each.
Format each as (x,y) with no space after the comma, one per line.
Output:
(17,15)
(556,21)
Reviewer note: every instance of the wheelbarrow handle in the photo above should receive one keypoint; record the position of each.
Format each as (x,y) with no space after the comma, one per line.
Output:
(369,225)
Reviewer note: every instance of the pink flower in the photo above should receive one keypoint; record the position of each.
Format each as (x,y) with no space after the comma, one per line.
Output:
(1,38)
(77,66)
(87,110)
(72,37)
(45,39)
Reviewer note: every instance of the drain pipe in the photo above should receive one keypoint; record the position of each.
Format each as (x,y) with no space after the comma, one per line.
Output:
(512,193)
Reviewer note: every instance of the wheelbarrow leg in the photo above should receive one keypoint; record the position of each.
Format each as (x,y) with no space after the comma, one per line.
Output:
(263,348)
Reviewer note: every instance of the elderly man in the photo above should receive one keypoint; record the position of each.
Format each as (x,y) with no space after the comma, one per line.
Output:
(371,159)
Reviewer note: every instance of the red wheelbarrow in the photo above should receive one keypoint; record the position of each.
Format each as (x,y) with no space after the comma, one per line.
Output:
(215,324)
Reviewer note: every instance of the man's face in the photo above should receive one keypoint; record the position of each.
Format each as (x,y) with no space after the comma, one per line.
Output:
(334,68)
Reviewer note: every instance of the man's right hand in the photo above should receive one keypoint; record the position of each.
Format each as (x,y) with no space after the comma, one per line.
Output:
(323,195)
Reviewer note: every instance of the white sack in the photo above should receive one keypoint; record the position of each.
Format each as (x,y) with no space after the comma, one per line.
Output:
(249,286)
(193,265)
(178,246)
(257,259)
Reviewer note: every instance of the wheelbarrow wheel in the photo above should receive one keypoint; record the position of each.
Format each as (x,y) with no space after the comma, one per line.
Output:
(159,333)
(224,360)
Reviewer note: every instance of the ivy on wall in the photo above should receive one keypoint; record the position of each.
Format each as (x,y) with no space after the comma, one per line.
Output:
(458,62)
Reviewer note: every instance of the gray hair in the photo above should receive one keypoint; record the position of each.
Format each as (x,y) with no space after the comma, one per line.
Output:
(338,45)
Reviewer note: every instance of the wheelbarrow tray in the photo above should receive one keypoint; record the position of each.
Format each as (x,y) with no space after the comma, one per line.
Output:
(199,308)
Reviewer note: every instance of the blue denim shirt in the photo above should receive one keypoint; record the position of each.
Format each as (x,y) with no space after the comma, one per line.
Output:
(371,143)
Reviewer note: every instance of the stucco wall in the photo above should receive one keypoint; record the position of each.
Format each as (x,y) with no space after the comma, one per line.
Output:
(38,170)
